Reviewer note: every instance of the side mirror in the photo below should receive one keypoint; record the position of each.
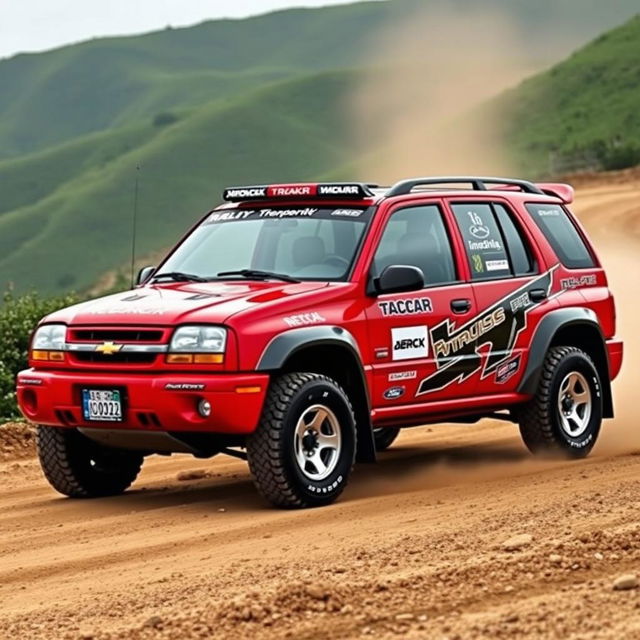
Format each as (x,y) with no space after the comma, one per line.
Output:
(144,274)
(399,278)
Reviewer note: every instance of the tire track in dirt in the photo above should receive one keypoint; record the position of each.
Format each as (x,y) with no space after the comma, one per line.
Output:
(414,548)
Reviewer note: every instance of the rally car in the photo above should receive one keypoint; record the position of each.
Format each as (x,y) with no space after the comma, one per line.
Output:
(301,326)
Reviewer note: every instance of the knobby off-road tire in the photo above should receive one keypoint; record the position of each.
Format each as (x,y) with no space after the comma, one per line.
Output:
(565,415)
(78,467)
(385,437)
(302,452)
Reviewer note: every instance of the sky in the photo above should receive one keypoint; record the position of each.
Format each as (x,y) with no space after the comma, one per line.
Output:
(38,25)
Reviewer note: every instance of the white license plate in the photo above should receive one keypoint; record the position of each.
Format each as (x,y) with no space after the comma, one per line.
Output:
(102,405)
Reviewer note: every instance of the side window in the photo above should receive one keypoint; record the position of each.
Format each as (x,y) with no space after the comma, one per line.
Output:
(483,241)
(562,235)
(418,237)
(521,261)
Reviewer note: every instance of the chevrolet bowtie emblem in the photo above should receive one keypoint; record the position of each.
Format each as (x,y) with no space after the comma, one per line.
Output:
(108,348)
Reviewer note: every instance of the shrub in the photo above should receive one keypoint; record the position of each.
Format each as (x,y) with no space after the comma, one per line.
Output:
(164,119)
(18,318)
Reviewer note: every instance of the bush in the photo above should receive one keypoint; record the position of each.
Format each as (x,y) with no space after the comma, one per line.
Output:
(18,318)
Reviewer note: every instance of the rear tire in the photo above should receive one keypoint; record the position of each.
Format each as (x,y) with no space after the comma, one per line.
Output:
(384,437)
(302,452)
(565,415)
(78,467)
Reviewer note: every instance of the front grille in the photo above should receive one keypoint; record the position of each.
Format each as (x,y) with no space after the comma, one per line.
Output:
(116,335)
(116,358)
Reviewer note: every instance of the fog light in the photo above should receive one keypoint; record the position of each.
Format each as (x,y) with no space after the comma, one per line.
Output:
(204,408)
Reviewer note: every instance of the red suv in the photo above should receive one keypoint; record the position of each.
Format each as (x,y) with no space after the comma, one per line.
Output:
(301,326)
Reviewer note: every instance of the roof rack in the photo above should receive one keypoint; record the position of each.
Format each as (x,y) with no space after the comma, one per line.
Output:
(478,183)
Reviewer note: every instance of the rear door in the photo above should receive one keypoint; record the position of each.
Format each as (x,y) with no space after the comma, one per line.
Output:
(414,358)
(510,288)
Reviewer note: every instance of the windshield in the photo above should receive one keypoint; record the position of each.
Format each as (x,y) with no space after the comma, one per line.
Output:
(305,243)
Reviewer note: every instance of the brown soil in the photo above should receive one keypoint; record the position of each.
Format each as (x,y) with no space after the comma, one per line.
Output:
(415,548)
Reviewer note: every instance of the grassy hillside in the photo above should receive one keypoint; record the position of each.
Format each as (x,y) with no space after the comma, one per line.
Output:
(588,104)
(50,98)
(74,233)
(244,101)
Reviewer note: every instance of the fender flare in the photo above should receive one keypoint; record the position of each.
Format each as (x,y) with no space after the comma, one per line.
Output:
(546,331)
(288,343)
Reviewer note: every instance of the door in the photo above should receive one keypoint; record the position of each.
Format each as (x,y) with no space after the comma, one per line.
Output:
(418,354)
(511,290)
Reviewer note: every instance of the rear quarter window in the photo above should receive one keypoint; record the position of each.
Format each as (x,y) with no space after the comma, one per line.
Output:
(561,232)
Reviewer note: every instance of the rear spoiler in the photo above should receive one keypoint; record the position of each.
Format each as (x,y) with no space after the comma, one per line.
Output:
(564,192)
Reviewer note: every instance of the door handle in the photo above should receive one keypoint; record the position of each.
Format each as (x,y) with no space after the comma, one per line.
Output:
(461,305)
(537,295)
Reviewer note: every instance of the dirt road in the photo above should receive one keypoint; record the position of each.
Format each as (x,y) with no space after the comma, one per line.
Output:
(416,547)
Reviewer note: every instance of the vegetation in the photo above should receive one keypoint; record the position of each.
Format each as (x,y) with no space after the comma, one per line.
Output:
(587,105)
(18,318)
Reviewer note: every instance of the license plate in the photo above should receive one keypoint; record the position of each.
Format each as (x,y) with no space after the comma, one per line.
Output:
(102,405)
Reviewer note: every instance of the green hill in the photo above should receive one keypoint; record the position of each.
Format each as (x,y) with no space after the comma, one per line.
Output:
(588,105)
(71,235)
(49,98)
(231,102)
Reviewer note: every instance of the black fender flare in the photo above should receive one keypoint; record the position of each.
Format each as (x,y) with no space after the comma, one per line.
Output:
(288,343)
(548,328)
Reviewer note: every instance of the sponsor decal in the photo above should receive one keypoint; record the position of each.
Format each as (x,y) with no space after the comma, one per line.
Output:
(410,342)
(478,229)
(543,213)
(456,349)
(507,370)
(202,296)
(304,319)
(577,282)
(403,375)
(30,381)
(485,245)
(225,216)
(476,261)
(245,193)
(406,307)
(521,302)
(347,213)
(113,311)
(307,212)
(291,190)
(393,393)
(339,190)
(183,386)
(497,265)
(133,298)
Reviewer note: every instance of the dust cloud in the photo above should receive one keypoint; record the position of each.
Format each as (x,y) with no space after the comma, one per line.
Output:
(620,260)
(422,108)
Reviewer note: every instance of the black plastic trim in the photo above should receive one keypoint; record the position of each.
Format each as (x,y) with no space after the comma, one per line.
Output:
(478,183)
(549,326)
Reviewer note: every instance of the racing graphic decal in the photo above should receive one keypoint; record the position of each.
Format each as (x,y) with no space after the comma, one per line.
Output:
(456,349)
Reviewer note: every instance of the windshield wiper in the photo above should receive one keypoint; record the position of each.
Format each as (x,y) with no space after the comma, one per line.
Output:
(257,274)
(179,276)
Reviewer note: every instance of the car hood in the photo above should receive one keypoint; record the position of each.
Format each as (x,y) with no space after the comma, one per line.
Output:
(177,303)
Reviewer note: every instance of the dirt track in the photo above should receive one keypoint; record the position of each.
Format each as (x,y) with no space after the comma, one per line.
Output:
(415,547)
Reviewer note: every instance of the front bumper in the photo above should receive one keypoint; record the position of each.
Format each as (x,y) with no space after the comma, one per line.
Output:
(166,402)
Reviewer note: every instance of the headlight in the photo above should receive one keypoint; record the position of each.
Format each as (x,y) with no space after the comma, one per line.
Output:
(49,337)
(199,339)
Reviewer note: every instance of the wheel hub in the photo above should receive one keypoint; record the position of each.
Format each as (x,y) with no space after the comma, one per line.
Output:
(317,442)
(574,404)
(310,442)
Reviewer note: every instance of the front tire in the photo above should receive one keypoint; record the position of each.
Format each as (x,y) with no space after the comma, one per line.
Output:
(565,415)
(302,452)
(78,467)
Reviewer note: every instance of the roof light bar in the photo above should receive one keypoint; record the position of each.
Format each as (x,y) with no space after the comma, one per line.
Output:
(335,190)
